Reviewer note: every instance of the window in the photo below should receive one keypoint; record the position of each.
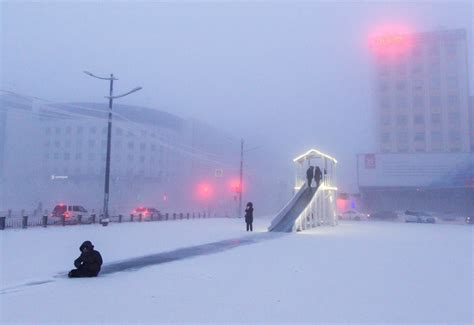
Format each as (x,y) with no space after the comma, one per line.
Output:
(401,85)
(419,136)
(385,102)
(417,51)
(383,86)
(454,135)
(433,48)
(385,121)
(68,130)
(104,130)
(402,120)
(91,143)
(56,155)
(385,137)
(130,158)
(435,83)
(418,84)
(142,145)
(91,156)
(401,102)
(435,118)
(119,131)
(451,48)
(436,136)
(47,143)
(435,101)
(78,156)
(419,119)
(103,143)
(402,137)
(79,129)
(417,101)
(452,82)
(57,130)
(93,130)
(143,133)
(453,100)
(47,130)
(142,159)
(130,145)
(57,144)
(67,156)
(454,117)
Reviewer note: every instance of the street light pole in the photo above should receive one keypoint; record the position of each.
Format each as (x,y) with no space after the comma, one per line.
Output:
(241,186)
(111,97)
(107,159)
(241,176)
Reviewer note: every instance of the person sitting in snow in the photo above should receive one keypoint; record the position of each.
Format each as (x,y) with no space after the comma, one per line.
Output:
(88,264)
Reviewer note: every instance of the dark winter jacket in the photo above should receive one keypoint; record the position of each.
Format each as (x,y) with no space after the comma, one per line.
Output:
(248,214)
(310,173)
(91,260)
(317,174)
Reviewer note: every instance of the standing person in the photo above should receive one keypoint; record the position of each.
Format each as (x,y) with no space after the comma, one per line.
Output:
(309,175)
(88,264)
(317,176)
(249,216)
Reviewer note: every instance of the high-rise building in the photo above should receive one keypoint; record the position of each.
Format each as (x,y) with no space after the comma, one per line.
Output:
(422,92)
(424,127)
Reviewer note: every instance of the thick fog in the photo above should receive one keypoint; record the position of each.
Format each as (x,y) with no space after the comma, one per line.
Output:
(286,76)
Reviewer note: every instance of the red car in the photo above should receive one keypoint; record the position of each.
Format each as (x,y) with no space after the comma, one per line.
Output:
(147,213)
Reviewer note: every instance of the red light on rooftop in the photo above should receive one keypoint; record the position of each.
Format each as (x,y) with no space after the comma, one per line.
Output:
(391,39)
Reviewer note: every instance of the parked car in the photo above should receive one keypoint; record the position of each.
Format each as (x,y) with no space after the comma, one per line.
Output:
(384,215)
(147,213)
(353,215)
(419,217)
(71,213)
(470,220)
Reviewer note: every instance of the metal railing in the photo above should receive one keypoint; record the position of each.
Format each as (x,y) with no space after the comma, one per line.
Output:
(321,210)
(25,220)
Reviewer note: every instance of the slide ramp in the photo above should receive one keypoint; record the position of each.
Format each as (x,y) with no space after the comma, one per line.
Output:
(286,218)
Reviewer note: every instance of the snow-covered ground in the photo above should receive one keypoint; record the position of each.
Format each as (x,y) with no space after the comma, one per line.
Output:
(354,272)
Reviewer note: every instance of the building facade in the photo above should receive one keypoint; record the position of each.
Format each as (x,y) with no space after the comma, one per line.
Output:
(424,130)
(422,92)
(55,153)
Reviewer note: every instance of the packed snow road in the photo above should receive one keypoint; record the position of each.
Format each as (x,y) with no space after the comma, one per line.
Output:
(354,272)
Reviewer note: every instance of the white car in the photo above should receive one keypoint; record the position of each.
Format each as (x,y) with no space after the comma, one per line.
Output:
(353,215)
(70,213)
(419,217)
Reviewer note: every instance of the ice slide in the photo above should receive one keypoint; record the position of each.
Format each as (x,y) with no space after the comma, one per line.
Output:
(285,219)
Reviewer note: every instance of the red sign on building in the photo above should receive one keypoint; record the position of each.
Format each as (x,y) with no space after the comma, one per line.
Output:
(370,161)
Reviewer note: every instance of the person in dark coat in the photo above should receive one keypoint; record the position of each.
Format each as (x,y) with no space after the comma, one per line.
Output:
(88,264)
(249,216)
(317,176)
(309,175)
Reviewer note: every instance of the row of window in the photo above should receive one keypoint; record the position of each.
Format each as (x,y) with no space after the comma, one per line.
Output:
(418,84)
(436,136)
(93,130)
(92,157)
(418,119)
(418,101)
(117,144)
(77,171)
(432,50)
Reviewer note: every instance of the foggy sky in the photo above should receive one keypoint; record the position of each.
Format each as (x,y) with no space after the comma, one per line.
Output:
(288,76)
